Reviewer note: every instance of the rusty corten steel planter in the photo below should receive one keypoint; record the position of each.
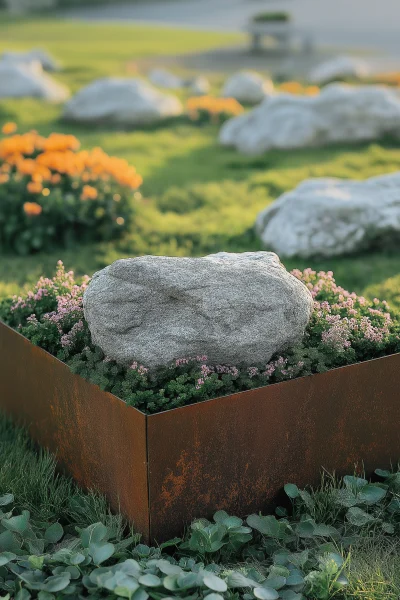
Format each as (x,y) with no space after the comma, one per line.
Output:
(233,453)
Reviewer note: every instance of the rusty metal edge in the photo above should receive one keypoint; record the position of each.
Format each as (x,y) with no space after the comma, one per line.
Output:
(73,418)
(271,385)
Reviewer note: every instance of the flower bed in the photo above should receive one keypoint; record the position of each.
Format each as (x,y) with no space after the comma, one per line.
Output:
(52,193)
(344,329)
(207,109)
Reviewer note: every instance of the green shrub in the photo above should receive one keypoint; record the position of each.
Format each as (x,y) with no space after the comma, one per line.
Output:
(52,194)
(272,17)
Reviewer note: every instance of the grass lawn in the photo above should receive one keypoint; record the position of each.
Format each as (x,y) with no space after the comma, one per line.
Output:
(197,197)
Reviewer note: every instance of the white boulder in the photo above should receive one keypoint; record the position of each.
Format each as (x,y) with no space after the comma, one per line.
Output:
(248,87)
(166,79)
(341,113)
(36,55)
(28,80)
(340,67)
(330,217)
(122,102)
(234,308)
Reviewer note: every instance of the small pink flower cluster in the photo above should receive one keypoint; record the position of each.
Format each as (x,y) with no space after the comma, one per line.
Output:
(344,316)
(139,368)
(276,367)
(68,340)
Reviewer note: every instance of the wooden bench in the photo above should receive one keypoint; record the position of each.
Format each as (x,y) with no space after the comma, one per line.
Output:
(283,32)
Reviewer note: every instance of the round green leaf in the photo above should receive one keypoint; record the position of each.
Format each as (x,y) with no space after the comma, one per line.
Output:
(382,473)
(264,593)
(149,580)
(54,533)
(371,494)
(6,557)
(214,583)
(291,490)
(101,552)
(57,583)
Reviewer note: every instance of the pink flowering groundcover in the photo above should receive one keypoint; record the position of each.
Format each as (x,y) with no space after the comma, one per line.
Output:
(344,329)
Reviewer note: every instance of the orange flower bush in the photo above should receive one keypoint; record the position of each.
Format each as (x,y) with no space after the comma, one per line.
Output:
(294,87)
(205,109)
(52,192)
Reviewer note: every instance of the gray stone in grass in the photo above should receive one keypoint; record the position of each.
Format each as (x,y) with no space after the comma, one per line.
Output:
(121,102)
(234,308)
(341,113)
(29,81)
(330,217)
(36,54)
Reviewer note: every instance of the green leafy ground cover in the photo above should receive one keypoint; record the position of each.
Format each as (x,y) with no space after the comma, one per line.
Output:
(197,197)
(340,540)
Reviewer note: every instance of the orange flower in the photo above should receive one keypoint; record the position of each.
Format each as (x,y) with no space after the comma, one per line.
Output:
(89,193)
(9,128)
(4,177)
(214,106)
(32,209)
(292,87)
(34,187)
(312,90)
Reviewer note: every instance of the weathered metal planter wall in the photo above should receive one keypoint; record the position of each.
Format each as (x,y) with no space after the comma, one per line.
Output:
(233,453)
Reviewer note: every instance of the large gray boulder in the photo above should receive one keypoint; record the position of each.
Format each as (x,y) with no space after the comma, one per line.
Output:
(341,113)
(330,217)
(121,102)
(35,55)
(248,87)
(234,308)
(340,67)
(28,80)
